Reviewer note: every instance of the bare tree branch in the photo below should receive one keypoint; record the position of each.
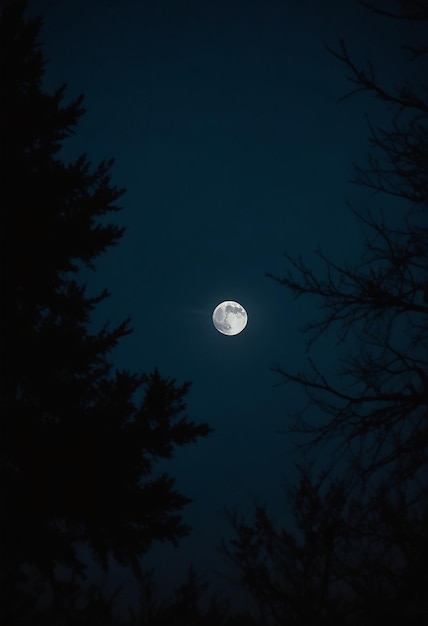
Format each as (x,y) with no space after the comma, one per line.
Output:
(377,407)
(411,10)
(365,80)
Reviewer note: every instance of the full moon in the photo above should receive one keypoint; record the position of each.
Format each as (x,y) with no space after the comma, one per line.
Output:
(229,317)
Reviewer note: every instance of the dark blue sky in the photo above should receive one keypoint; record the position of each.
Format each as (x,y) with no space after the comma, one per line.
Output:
(223,120)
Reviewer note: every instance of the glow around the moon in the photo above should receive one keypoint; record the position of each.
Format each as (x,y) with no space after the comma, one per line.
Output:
(229,317)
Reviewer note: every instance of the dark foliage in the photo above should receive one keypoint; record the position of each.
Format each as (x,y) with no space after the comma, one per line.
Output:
(79,440)
(292,574)
(71,603)
(182,609)
(359,559)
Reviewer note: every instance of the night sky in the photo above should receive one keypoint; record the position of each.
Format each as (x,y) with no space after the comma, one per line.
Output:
(223,119)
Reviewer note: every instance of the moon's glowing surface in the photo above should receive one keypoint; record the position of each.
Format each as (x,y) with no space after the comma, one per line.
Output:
(229,317)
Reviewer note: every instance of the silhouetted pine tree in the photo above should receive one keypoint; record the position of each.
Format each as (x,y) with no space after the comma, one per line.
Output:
(79,439)
(344,559)
(294,574)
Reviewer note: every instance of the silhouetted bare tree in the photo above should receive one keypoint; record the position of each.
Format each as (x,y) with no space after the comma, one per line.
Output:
(414,10)
(380,408)
(356,549)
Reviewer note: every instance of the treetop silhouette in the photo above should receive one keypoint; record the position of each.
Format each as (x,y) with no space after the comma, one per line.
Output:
(80,439)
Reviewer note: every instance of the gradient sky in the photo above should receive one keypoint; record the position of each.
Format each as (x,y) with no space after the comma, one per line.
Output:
(223,120)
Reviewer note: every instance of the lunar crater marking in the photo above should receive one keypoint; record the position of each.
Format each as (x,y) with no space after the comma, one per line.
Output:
(230,318)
